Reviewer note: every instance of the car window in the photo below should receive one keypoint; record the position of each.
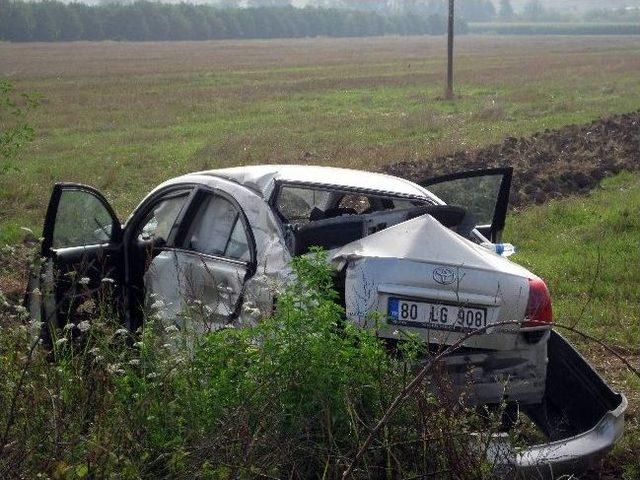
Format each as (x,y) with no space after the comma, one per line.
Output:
(159,221)
(238,246)
(297,204)
(218,230)
(301,205)
(82,219)
(477,194)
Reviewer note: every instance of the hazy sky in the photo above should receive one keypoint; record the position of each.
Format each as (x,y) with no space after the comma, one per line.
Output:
(572,5)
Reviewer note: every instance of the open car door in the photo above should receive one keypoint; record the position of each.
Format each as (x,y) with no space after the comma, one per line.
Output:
(82,261)
(484,193)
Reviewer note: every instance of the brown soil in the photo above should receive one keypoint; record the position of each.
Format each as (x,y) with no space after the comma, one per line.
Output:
(552,164)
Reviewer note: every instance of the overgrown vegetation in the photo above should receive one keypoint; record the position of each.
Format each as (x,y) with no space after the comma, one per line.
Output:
(292,397)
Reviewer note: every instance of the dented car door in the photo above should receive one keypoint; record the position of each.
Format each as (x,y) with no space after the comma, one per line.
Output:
(204,275)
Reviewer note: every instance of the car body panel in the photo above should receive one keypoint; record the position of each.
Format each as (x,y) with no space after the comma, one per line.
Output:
(402,260)
(181,275)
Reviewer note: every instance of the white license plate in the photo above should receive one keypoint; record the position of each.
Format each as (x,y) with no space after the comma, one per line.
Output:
(434,315)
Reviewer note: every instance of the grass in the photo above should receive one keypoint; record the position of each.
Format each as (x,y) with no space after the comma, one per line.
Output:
(125,116)
(587,250)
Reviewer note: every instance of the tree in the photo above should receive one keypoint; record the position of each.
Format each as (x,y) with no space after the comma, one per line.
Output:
(533,10)
(228,3)
(268,3)
(45,26)
(68,22)
(19,23)
(91,20)
(506,10)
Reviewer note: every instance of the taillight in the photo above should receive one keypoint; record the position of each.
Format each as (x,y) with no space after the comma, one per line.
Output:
(539,312)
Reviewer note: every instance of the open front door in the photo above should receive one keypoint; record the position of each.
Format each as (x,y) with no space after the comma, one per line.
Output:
(484,193)
(82,257)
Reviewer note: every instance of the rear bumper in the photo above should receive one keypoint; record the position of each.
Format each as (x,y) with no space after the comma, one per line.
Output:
(579,453)
(580,413)
(493,377)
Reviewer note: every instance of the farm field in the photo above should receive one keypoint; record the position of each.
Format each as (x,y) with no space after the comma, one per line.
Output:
(125,116)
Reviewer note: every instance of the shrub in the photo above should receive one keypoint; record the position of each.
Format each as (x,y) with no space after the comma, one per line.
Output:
(293,396)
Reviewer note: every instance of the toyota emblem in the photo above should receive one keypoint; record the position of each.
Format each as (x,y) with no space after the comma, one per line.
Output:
(444,275)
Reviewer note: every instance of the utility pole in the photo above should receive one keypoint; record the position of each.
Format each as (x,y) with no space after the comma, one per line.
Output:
(448,94)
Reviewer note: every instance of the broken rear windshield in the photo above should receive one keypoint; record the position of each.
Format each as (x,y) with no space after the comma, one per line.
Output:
(304,204)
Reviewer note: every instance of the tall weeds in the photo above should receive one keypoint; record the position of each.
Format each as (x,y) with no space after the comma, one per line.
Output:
(293,397)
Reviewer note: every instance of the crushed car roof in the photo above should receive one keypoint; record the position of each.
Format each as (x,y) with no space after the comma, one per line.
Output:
(262,178)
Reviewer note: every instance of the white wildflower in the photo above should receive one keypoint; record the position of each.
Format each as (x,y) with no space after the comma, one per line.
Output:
(60,342)
(94,351)
(36,325)
(36,292)
(86,307)
(166,345)
(84,281)
(208,310)
(84,326)
(157,305)
(108,280)
(21,309)
(121,331)
(114,368)
(135,362)
(99,359)
(171,329)
(152,375)
(253,312)
(138,345)
(251,309)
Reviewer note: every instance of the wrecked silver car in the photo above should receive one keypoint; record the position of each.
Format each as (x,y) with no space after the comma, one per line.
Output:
(422,259)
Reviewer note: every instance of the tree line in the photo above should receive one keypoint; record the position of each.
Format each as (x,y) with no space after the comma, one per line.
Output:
(50,21)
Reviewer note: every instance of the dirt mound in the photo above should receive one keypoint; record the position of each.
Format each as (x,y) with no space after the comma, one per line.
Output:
(547,165)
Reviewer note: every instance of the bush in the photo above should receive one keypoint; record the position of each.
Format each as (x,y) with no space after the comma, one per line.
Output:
(294,396)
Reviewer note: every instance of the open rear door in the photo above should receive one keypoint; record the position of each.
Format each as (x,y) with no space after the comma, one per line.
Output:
(484,193)
(82,261)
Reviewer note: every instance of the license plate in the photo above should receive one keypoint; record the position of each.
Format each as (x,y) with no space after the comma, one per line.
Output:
(435,315)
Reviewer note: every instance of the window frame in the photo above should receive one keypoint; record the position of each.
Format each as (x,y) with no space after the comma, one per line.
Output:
(52,216)
(201,192)
(279,184)
(135,222)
